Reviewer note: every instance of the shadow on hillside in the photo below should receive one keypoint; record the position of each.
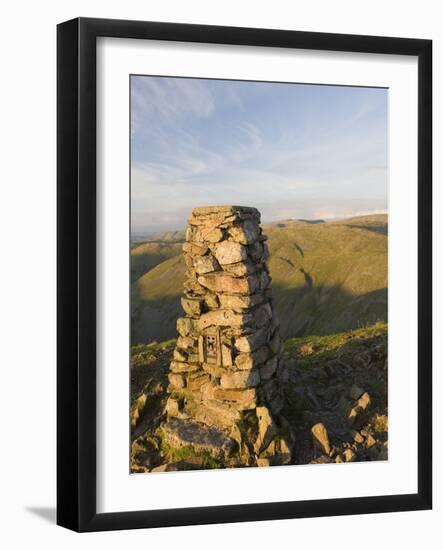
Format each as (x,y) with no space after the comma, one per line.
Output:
(375,228)
(307,310)
(328,309)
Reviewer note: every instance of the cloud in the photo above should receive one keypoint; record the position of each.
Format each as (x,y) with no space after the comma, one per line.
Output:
(309,153)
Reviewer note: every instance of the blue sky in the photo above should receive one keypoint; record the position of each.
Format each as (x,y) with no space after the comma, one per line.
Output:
(291,150)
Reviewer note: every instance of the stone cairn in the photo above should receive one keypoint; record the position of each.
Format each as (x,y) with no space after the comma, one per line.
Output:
(226,376)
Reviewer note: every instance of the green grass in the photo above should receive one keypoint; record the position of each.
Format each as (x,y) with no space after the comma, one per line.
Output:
(332,342)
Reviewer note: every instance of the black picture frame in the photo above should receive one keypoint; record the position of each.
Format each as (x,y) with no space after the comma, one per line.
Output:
(76,294)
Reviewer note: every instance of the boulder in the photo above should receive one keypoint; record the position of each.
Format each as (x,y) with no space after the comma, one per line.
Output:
(320,436)
(182,433)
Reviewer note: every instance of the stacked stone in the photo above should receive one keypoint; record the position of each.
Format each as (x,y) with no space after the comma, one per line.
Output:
(228,358)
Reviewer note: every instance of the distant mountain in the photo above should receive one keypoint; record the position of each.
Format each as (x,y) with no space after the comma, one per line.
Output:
(326,277)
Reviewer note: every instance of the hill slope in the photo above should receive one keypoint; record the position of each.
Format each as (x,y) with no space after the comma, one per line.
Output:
(326,277)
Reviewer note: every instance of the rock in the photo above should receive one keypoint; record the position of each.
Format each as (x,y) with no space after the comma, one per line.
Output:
(220,282)
(172,407)
(239,269)
(262,314)
(241,399)
(186,342)
(370,441)
(251,342)
(229,252)
(226,352)
(181,433)
(359,407)
(179,355)
(246,233)
(355,392)
(348,455)
(215,235)
(256,251)
(137,408)
(357,437)
(195,249)
(269,368)
(213,413)
(180,367)
(205,264)
(161,468)
(185,326)
(196,380)
(222,317)
(321,438)
(266,429)
(235,301)
(241,379)
(247,361)
(212,301)
(176,380)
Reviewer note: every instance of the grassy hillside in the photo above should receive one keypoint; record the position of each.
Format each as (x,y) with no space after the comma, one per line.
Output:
(326,278)
(145,256)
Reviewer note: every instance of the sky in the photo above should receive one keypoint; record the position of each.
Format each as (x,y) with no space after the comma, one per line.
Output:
(291,150)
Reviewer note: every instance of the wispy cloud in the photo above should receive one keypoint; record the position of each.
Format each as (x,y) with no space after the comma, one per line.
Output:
(291,150)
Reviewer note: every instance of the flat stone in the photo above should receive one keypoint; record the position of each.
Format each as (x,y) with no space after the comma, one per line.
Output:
(223,317)
(320,435)
(181,433)
(269,368)
(226,355)
(186,342)
(179,355)
(241,399)
(241,379)
(176,380)
(205,264)
(219,282)
(245,233)
(192,306)
(229,252)
(252,341)
(214,236)
(262,314)
(195,249)
(213,413)
(196,381)
(245,361)
(186,326)
(256,251)
(239,269)
(179,367)
(212,301)
(236,301)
